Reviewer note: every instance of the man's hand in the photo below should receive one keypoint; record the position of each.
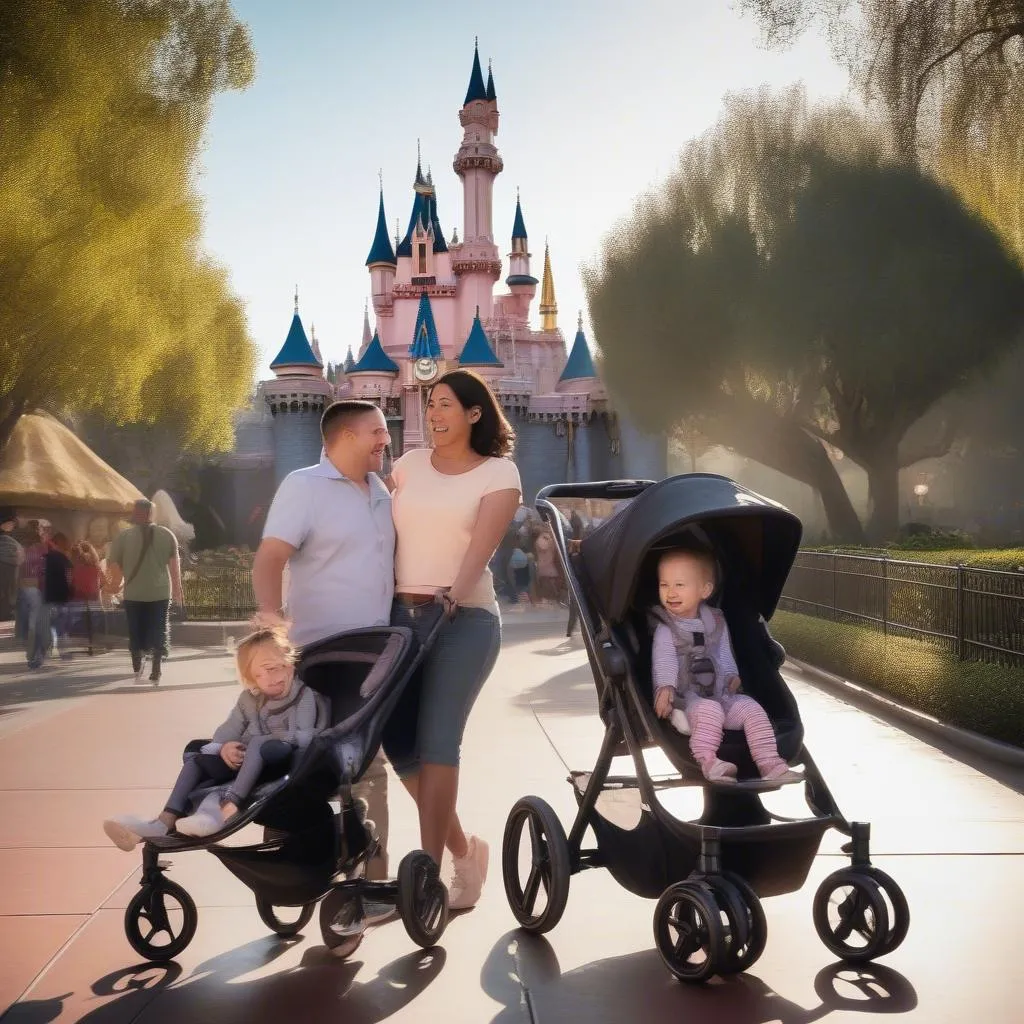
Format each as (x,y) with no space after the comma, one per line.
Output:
(734,684)
(232,754)
(270,620)
(663,702)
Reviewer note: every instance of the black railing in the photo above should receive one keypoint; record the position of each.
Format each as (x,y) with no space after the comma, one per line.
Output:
(976,614)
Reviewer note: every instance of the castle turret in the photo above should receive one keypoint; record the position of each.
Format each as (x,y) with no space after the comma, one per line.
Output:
(522,284)
(477,263)
(548,304)
(296,397)
(367,333)
(477,353)
(381,263)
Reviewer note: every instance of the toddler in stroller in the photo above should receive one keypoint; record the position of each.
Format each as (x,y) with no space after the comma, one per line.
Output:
(696,681)
(322,721)
(710,870)
(275,715)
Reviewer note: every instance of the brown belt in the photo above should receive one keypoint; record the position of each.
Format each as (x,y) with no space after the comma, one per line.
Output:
(414,600)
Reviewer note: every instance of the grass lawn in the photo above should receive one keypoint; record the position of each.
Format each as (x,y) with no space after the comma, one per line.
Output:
(988,699)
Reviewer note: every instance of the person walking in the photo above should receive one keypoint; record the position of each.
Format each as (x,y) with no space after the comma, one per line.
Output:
(453,503)
(12,554)
(57,592)
(32,625)
(330,528)
(145,557)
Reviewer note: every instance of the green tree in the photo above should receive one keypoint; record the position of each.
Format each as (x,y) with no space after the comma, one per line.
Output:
(107,302)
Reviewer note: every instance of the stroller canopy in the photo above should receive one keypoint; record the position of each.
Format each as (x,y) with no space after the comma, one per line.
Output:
(743,527)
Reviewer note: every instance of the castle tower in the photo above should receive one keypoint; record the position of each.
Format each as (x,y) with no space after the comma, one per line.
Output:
(548,304)
(580,378)
(477,354)
(296,397)
(381,263)
(521,283)
(477,264)
(367,333)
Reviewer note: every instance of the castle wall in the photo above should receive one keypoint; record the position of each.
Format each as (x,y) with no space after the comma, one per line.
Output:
(541,455)
(582,462)
(644,456)
(297,442)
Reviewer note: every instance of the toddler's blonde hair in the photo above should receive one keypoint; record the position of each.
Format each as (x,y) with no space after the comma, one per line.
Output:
(249,645)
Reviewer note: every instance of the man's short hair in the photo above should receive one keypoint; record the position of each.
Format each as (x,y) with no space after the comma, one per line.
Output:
(341,415)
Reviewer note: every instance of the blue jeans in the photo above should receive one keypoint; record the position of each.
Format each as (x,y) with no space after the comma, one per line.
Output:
(427,725)
(32,625)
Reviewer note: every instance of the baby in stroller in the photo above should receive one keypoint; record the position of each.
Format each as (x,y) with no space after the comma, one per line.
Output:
(696,681)
(274,716)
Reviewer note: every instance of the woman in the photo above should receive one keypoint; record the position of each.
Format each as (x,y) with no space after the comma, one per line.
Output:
(32,625)
(452,505)
(57,570)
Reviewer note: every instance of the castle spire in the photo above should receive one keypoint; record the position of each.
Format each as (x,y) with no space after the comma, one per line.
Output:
(297,355)
(367,333)
(477,90)
(491,95)
(380,251)
(548,304)
(580,364)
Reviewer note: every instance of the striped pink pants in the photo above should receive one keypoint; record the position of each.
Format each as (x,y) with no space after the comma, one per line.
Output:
(708,720)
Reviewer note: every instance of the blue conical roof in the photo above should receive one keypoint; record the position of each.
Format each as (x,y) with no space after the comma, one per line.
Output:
(296,350)
(424,211)
(381,251)
(519,225)
(477,351)
(580,365)
(477,90)
(425,344)
(491,94)
(375,359)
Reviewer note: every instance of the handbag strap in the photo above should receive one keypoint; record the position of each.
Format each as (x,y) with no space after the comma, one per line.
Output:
(147,542)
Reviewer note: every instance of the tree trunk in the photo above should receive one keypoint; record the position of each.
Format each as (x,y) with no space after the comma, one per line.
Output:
(884,492)
(10,413)
(783,445)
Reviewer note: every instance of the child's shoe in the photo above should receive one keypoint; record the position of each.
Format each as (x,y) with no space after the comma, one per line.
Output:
(680,722)
(206,820)
(470,874)
(127,831)
(720,771)
(779,771)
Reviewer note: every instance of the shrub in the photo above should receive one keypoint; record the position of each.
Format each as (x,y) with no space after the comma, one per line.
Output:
(988,699)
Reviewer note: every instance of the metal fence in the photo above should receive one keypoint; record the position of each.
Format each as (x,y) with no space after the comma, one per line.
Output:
(219,594)
(976,614)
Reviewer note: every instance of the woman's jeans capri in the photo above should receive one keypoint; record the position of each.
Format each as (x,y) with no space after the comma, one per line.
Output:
(427,725)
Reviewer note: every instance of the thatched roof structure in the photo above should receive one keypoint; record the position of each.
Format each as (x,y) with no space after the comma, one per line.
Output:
(45,466)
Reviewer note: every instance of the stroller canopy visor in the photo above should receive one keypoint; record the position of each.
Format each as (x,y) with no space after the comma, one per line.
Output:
(743,527)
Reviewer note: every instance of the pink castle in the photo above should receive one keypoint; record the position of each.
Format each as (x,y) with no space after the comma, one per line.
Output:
(436,309)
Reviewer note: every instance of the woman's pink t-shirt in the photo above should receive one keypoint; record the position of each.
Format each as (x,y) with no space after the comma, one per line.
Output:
(434,518)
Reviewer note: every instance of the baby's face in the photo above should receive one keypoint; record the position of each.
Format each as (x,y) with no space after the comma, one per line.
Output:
(682,584)
(272,672)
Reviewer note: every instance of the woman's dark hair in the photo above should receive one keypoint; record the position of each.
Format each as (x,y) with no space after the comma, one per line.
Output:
(492,434)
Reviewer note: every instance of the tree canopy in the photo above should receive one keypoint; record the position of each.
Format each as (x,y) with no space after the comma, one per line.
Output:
(800,292)
(107,301)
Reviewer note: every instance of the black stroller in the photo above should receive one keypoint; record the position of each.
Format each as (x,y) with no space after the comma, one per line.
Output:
(310,854)
(708,874)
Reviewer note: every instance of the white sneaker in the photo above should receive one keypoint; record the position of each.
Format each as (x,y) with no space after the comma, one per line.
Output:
(470,874)
(128,830)
(206,820)
(140,675)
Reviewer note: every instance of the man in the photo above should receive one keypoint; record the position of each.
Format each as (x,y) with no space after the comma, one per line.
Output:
(12,554)
(330,526)
(146,557)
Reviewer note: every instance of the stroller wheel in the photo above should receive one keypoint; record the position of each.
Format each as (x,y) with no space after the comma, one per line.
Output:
(851,916)
(160,921)
(746,926)
(286,929)
(688,931)
(547,865)
(422,899)
(899,911)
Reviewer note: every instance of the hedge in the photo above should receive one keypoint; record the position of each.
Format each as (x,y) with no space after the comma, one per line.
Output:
(987,699)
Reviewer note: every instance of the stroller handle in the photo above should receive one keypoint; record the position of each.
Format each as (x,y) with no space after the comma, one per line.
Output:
(610,490)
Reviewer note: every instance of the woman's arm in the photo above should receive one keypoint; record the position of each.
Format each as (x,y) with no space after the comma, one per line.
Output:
(492,521)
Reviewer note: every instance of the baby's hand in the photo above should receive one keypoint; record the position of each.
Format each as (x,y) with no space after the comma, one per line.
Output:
(232,754)
(734,684)
(663,702)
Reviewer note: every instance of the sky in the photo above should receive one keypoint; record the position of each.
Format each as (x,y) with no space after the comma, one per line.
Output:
(596,97)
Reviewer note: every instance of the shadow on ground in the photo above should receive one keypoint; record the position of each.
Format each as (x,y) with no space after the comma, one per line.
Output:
(524,968)
(318,989)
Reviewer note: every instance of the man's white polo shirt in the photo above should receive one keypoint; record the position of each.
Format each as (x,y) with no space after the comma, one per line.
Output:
(343,574)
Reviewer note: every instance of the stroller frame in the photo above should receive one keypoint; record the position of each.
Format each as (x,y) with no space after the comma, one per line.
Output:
(709,921)
(308,855)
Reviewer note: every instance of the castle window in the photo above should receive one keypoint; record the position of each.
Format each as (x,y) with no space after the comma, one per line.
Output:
(423,259)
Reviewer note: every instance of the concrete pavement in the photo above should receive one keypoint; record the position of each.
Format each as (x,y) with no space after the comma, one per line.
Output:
(81,742)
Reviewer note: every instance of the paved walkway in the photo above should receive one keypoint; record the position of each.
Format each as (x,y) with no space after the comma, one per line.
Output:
(81,741)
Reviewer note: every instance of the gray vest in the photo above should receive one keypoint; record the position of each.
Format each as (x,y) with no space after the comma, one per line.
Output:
(698,672)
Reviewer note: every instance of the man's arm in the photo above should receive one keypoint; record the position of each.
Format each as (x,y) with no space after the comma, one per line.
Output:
(174,568)
(267,574)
